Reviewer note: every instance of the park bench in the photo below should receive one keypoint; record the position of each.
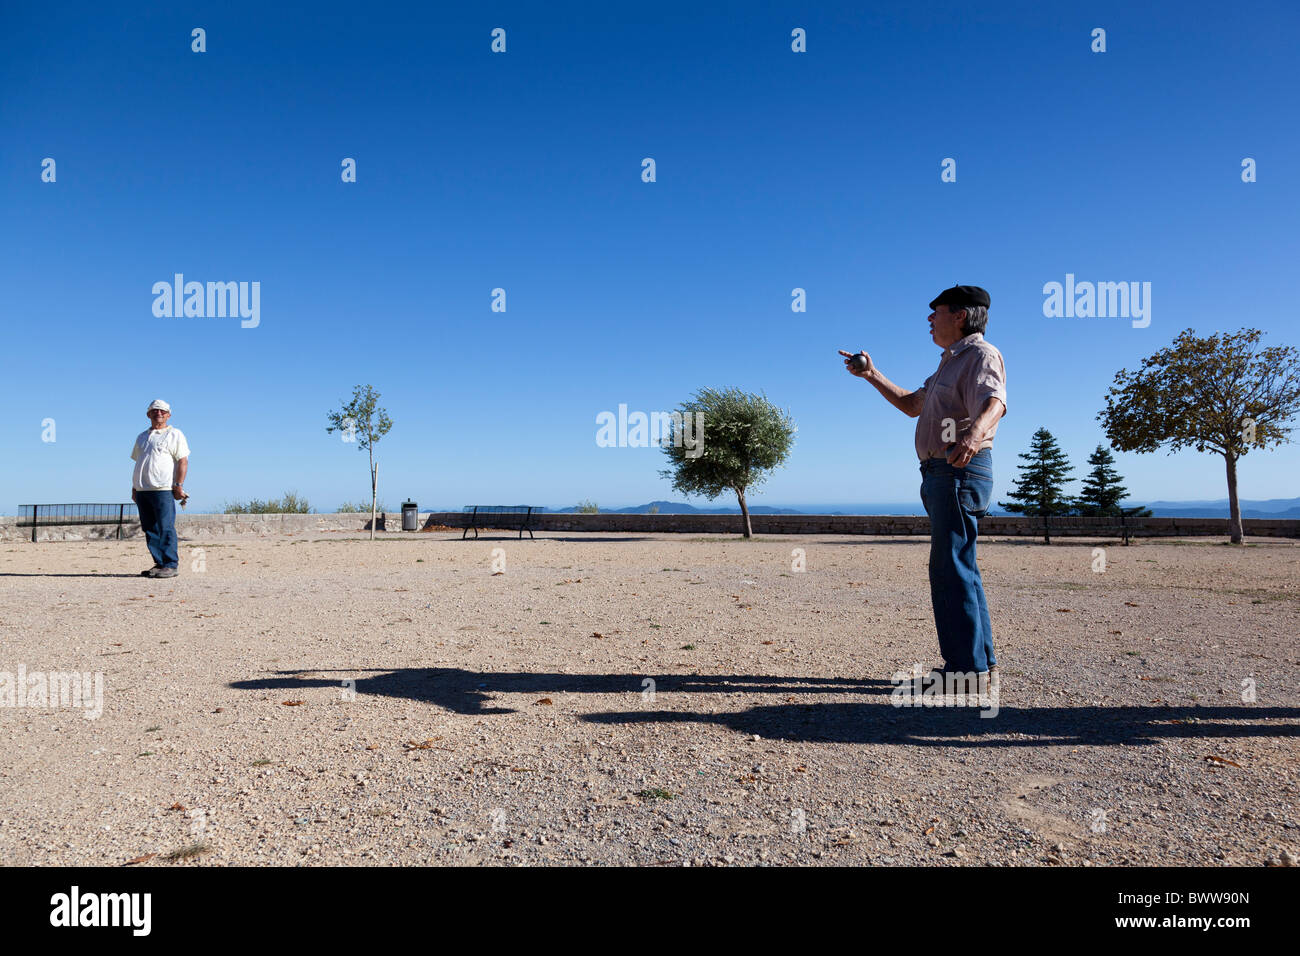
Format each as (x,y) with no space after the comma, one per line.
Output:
(500,516)
(55,516)
(1105,526)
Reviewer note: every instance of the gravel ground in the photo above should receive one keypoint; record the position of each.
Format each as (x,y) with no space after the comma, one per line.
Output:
(323,699)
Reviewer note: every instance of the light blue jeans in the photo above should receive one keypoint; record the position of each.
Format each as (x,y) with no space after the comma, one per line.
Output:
(955,499)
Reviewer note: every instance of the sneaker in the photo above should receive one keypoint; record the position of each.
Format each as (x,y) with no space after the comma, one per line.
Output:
(995,679)
(165,573)
(151,572)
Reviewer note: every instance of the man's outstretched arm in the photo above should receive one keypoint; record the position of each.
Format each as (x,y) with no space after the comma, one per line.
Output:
(909,403)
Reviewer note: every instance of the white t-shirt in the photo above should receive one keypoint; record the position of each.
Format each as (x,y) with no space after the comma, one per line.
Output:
(155,454)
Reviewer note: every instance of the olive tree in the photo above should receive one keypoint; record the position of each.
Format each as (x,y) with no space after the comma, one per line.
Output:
(726,440)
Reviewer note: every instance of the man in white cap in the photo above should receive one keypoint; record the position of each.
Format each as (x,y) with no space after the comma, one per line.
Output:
(161,457)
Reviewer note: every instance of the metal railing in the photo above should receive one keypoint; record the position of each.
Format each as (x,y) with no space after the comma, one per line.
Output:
(51,516)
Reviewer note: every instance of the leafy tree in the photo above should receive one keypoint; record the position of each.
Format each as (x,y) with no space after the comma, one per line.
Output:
(1102,491)
(1041,483)
(742,438)
(588,508)
(1220,393)
(364,422)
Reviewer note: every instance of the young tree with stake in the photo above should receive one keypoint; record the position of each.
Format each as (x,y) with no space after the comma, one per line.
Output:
(363,421)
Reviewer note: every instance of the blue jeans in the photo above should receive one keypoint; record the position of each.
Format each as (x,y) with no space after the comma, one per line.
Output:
(158,519)
(955,498)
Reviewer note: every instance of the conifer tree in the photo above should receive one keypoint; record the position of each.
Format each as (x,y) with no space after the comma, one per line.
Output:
(1041,484)
(1102,489)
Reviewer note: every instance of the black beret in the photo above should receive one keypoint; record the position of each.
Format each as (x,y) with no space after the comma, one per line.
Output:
(960,296)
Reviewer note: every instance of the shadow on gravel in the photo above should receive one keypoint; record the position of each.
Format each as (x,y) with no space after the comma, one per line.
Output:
(990,539)
(548,536)
(69,574)
(964,727)
(590,538)
(469,692)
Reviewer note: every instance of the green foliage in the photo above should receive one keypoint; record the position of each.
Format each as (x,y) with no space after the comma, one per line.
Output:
(362,417)
(290,504)
(1102,491)
(744,437)
(1220,393)
(363,421)
(1040,485)
(656,793)
(359,507)
(588,508)
(1199,393)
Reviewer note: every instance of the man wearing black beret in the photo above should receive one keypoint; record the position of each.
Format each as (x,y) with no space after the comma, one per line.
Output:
(957,412)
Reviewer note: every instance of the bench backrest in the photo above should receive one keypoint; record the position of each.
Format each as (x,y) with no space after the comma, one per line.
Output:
(69,514)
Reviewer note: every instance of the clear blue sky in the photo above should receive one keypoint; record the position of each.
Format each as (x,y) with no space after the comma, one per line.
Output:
(522,170)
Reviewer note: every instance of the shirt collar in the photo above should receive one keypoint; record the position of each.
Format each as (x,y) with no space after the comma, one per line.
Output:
(965,342)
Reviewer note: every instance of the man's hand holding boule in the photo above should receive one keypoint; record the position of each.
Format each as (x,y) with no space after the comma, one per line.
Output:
(859,364)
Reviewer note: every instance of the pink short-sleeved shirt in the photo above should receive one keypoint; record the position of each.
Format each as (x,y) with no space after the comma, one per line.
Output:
(970,372)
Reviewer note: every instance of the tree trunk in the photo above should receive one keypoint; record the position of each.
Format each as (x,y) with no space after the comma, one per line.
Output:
(374,496)
(1047,527)
(1234,508)
(744,512)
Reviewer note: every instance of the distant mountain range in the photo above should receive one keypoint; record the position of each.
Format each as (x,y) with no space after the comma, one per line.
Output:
(1272,508)
(681,508)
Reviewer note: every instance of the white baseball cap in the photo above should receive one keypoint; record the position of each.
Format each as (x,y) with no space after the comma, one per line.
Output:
(158,403)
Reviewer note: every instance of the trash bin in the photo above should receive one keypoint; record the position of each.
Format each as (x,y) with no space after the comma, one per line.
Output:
(410,516)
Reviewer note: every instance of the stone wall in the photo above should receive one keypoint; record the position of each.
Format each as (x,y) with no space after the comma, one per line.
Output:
(195,527)
(887,525)
(192,527)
